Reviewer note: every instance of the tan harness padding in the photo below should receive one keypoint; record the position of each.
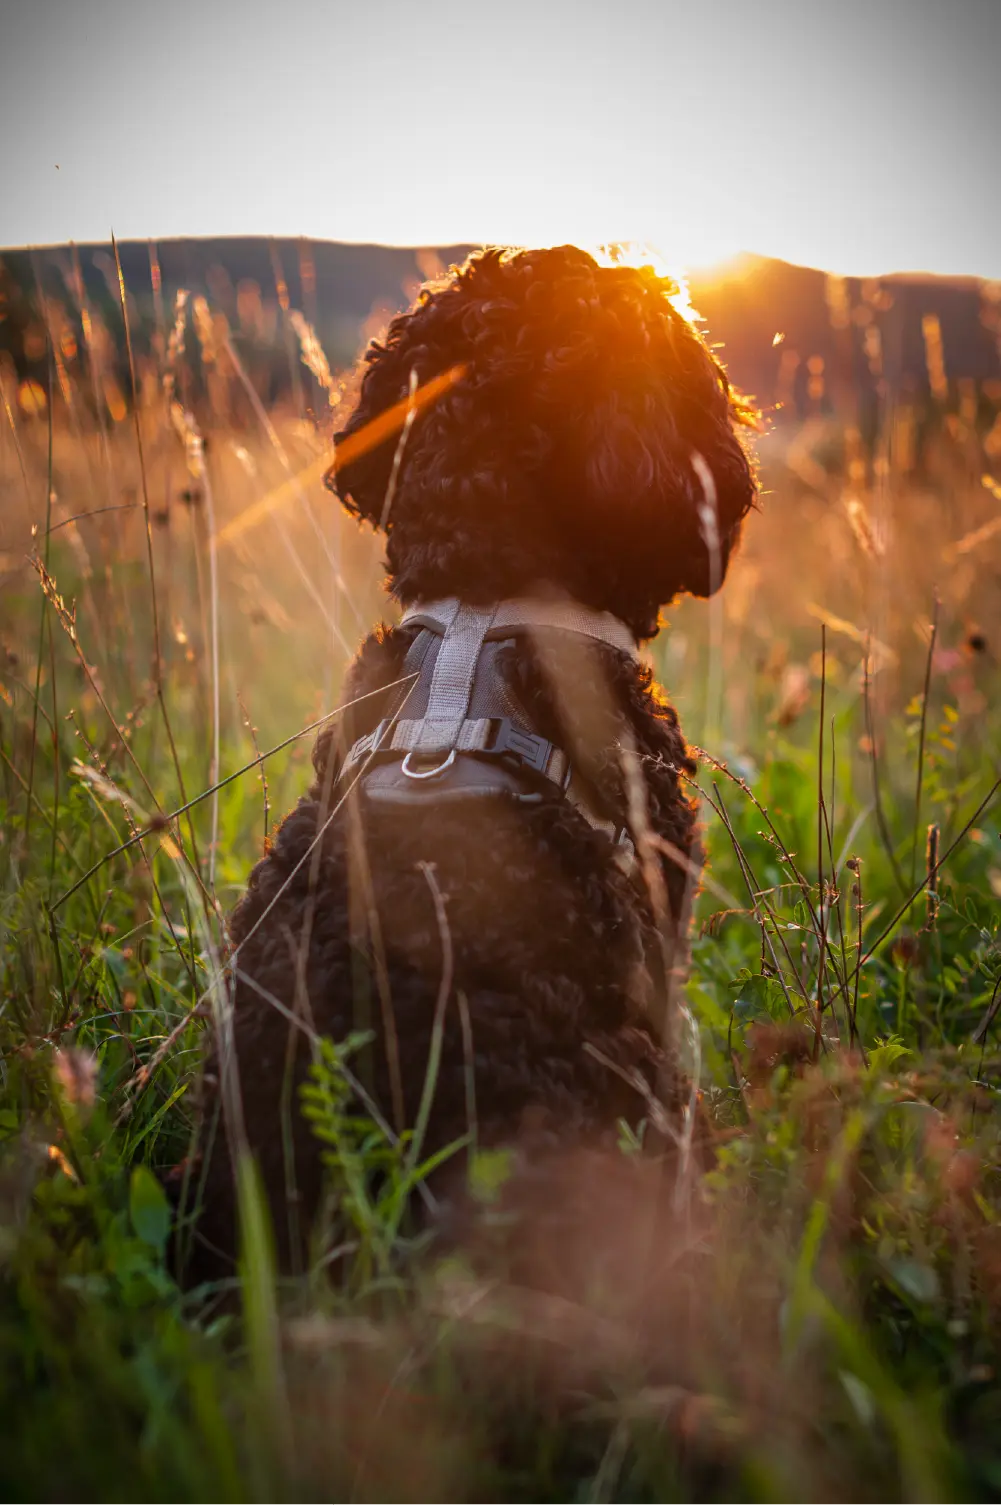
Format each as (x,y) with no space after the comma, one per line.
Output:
(529,611)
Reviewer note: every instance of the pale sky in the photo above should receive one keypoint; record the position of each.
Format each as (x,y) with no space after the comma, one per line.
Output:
(862,136)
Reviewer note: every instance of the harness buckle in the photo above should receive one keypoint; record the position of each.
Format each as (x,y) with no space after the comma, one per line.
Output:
(533,750)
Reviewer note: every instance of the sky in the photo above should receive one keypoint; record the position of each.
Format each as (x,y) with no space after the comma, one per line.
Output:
(862,136)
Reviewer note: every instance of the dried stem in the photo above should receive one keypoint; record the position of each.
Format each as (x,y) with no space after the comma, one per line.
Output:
(167,820)
(921,740)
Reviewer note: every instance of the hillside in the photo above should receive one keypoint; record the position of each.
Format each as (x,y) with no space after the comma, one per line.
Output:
(790,335)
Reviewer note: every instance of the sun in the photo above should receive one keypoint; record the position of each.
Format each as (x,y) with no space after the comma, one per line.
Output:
(640,253)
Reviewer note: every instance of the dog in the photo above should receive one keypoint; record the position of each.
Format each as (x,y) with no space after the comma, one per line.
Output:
(496,857)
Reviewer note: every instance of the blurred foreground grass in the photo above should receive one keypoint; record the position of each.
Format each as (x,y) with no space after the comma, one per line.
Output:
(830,1307)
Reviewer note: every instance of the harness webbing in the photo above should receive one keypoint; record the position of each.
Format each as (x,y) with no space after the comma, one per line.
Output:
(452,683)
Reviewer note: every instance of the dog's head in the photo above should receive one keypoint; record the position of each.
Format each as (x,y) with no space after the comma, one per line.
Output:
(566,427)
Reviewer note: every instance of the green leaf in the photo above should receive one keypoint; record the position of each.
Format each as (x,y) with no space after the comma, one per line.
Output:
(757,997)
(158,1116)
(488,1171)
(860,1395)
(885,1056)
(915,1280)
(149,1209)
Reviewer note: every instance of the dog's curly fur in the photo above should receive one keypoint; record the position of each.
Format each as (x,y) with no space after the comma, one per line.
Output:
(559,460)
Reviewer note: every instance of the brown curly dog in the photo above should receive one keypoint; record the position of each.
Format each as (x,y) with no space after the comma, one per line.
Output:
(488,870)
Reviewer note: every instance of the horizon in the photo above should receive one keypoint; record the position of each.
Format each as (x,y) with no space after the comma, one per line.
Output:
(728,266)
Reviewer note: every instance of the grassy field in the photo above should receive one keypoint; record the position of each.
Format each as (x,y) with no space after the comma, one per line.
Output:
(176,602)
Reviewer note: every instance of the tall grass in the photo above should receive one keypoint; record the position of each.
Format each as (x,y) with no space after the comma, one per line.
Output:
(178,606)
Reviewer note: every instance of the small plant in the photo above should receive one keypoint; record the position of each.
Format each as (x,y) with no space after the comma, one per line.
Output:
(373,1173)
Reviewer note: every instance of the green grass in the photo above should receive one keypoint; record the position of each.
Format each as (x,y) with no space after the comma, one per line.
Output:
(829,1326)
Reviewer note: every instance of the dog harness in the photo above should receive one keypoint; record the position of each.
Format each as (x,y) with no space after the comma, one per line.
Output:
(461,734)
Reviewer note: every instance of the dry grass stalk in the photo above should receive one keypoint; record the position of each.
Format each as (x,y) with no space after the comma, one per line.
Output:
(863,528)
(313,355)
(188,432)
(175,342)
(401,445)
(931,330)
(205,329)
(931,871)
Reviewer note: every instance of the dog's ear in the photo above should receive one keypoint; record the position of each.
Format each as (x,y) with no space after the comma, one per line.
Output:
(666,466)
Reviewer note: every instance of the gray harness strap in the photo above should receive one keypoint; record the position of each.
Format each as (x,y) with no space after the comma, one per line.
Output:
(452,683)
(446,728)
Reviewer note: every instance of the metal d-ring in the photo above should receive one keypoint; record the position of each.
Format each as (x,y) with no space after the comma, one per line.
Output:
(429,773)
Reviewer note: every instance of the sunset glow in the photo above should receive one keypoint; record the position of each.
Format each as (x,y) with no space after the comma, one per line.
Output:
(859,140)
